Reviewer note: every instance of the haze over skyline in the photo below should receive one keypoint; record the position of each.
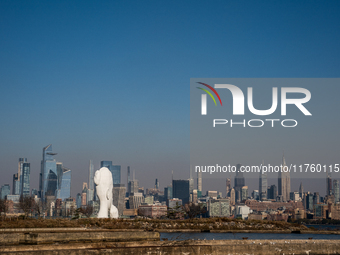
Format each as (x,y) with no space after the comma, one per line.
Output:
(110,80)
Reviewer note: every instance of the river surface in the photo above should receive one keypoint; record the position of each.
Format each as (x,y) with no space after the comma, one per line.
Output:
(239,236)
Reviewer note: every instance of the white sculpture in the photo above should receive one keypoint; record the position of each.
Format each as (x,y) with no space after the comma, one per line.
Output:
(104,182)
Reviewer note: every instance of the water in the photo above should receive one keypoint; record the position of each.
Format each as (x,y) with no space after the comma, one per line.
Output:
(239,236)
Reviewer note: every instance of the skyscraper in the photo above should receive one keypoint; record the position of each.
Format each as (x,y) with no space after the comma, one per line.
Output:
(181,190)
(301,190)
(25,179)
(114,169)
(199,183)
(48,175)
(118,196)
(128,180)
(16,185)
(263,186)
(156,184)
(284,181)
(228,187)
(4,191)
(329,184)
(239,183)
(336,190)
(91,175)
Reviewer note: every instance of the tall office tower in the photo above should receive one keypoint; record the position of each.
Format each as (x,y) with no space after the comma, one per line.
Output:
(63,182)
(316,198)
(20,171)
(255,194)
(84,195)
(244,193)
(118,196)
(199,183)
(25,179)
(191,182)
(336,190)
(114,169)
(232,196)
(135,200)
(309,202)
(91,175)
(272,192)
(48,176)
(78,200)
(329,184)
(4,191)
(228,187)
(90,191)
(128,180)
(284,181)
(156,184)
(239,183)
(263,186)
(16,185)
(168,192)
(301,190)
(181,190)
(133,186)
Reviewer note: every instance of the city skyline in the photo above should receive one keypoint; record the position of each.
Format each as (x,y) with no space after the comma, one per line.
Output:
(110,80)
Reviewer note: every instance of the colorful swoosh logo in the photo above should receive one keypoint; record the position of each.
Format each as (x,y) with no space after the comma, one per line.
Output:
(208,92)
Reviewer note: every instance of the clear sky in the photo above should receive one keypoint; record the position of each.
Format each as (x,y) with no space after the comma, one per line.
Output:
(109,80)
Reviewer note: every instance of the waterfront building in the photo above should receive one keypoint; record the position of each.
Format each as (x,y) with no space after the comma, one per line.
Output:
(118,197)
(114,169)
(219,207)
(181,190)
(284,181)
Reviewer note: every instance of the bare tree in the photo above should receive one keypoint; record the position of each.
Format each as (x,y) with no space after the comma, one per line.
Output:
(194,210)
(3,207)
(87,211)
(26,203)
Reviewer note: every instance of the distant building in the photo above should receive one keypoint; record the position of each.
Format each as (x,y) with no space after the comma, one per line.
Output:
(78,200)
(64,182)
(272,192)
(133,186)
(135,200)
(284,181)
(84,196)
(25,179)
(148,200)
(168,192)
(14,198)
(228,187)
(128,181)
(16,185)
(232,196)
(212,194)
(244,193)
(5,191)
(242,211)
(239,182)
(329,184)
(114,169)
(336,190)
(256,194)
(295,196)
(263,185)
(152,211)
(309,202)
(48,175)
(119,191)
(173,203)
(219,208)
(180,189)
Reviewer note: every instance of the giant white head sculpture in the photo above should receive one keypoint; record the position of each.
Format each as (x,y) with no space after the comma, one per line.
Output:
(104,182)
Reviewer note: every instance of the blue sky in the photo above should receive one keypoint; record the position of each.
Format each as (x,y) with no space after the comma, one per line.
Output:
(109,80)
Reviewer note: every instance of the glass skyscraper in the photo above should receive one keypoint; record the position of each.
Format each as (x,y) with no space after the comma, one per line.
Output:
(4,191)
(114,169)
(48,176)
(25,179)
(181,190)
(64,190)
